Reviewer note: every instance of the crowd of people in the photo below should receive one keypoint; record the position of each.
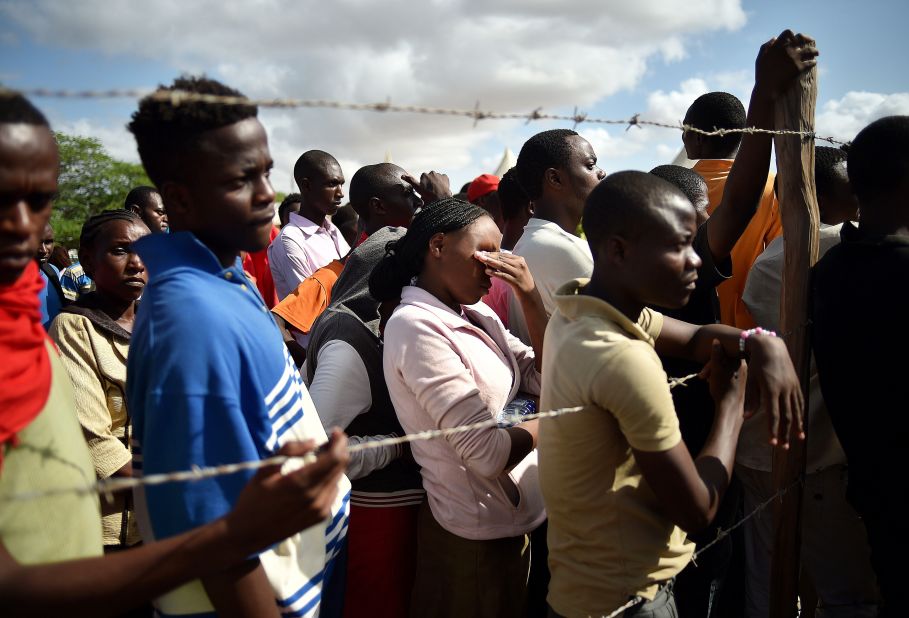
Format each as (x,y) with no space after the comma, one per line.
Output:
(193,332)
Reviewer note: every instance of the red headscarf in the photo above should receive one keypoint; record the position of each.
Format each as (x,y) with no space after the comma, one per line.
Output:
(25,373)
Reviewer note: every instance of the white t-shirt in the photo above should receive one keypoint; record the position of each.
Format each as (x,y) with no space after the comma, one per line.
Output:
(762,296)
(554,258)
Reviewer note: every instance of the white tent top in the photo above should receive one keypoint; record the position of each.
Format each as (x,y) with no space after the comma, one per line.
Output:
(508,161)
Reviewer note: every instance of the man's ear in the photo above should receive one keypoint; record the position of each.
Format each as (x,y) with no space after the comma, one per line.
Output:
(304,185)
(177,200)
(133,208)
(553,178)
(615,249)
(376,206)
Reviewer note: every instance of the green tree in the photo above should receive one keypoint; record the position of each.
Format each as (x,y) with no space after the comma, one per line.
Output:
(90,181)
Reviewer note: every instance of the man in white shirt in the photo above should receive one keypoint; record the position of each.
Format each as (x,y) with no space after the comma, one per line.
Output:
(557,170)
(309,241)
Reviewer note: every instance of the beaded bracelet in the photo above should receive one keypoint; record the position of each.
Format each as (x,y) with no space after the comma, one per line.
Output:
(743,336)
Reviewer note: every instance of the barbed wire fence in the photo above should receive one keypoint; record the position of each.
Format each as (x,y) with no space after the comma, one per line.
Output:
(477,114)
(110,486)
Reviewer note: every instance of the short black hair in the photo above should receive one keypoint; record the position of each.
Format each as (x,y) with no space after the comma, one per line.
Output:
(93,226)
(878,158)
(165,132)
(511,196)
(826,161)
(622,205)
(346,219)
(310,163)
(16,109)
(138,196)
(286,203)
(687,180)
(718,110)
(366,183)
(548,149)
(404,257)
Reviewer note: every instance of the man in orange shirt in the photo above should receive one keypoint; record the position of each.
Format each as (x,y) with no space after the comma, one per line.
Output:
(721,110)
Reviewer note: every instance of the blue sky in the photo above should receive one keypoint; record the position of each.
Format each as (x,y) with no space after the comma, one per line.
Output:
(611,58)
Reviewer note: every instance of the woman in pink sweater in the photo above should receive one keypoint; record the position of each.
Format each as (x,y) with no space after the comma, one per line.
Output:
(448,362)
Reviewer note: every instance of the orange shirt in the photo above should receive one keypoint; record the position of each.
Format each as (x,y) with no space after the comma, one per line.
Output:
(309,300)
(765,225)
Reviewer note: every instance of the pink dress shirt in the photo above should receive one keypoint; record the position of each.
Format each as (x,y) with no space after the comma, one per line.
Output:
(301,249)
(445,370)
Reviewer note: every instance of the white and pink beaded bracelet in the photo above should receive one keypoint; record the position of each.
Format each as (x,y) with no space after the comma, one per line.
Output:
(743,336)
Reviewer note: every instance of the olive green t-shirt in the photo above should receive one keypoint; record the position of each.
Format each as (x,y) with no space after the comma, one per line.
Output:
(51,453)
(609,538)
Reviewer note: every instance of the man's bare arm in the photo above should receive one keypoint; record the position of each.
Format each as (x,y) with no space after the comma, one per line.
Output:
(779,62)
(272,507)
(691,490)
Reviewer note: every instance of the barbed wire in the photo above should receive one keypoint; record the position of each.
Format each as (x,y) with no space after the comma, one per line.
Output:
(182,97)
(721,534)
(109,486)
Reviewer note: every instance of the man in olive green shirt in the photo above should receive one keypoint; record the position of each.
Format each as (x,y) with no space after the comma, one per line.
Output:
(620,486)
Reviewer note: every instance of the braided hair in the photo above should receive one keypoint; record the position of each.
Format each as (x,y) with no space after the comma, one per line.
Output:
(93,226)
(404,257)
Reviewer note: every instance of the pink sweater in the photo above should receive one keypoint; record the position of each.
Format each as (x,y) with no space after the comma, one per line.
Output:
(445,370)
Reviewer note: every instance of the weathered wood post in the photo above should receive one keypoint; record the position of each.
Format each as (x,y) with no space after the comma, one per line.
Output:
(798,204)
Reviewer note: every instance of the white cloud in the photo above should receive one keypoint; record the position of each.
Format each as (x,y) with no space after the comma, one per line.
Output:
(511,55)
(843,118)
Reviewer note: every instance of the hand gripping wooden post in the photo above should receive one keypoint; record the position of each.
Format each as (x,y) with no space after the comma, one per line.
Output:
(798,204)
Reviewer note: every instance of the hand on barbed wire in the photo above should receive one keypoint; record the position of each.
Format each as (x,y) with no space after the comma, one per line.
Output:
(781,60)
(274,505)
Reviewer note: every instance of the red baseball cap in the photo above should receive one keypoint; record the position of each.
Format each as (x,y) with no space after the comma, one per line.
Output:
(481,185)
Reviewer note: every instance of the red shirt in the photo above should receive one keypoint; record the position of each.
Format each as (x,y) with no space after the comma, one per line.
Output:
(256,264)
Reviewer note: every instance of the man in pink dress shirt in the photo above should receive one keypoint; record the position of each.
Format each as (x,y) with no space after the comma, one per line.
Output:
(309,241)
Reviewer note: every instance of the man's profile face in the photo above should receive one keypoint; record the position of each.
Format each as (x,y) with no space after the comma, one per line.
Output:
(662,262)
(399,199)
(324,190)
(153,214)
(28,183)
(582,172)
(45,244)
(230,198)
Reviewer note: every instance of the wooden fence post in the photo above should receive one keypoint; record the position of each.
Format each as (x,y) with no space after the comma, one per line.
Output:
(798,205)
